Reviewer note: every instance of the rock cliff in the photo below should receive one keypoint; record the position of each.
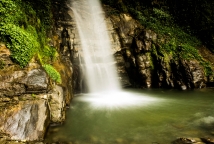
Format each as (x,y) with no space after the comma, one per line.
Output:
(30,100)
(147,65)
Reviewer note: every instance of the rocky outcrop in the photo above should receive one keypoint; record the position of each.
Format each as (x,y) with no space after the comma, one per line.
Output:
(23,81)
(57,104)
(30,100)
(147,64)
(36,81)
(28,120)
(193,141)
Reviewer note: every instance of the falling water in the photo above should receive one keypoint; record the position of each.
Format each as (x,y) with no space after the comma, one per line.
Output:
(99,64)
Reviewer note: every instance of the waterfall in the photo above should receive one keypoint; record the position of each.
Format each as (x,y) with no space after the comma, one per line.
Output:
(98,61)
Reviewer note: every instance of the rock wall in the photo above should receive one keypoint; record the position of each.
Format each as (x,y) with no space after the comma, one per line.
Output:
(29,100)
(146,65)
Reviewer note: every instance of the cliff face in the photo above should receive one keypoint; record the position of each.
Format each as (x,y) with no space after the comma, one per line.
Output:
(30,100)
(148,65)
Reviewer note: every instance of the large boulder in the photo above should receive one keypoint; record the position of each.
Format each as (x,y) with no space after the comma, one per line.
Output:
(10,83)
(36,81)
(23,81)
(28,120)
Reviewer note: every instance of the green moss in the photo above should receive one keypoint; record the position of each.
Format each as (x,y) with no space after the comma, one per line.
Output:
(154,51)
(148,55)
(53,73)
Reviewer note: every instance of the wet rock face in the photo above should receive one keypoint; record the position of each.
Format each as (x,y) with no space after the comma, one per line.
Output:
(27,120)
(147,66)
(135,48)
(4,56)
(145,69)
(20,82)
(29,101)
(57,104)
(187,74)
(181,74)
(36,81)
(121,70)
(197,74)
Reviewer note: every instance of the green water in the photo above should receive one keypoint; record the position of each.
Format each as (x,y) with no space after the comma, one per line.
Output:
(160,116)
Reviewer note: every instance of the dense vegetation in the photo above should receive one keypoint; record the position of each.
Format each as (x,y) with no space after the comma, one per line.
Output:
(174,21)
(23,27)
(195,16)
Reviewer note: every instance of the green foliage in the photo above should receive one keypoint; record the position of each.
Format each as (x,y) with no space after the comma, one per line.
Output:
(178,43)
(170,46)
(22,44)
(53,73)
(23,27)
(10,11)
(2,64)
(148,55)
(43,11)
(33,95)
(195,15)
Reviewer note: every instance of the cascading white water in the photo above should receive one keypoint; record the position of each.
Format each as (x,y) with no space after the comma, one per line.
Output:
(99,64)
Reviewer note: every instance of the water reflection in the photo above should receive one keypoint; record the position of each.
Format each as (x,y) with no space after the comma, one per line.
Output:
(151,116)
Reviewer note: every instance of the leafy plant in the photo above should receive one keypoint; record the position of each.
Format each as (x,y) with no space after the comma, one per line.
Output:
(22,44)
(23,27)
(53,73)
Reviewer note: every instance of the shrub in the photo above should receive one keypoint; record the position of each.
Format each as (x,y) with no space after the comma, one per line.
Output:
(23,27)
(22,44)
(53,73)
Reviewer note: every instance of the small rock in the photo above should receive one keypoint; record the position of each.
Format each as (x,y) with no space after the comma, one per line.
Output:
(16,98)
(5,99)
(183,87)
(184,141)
(208,140)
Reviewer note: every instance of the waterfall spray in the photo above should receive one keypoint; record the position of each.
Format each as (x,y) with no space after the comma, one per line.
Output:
(99,63)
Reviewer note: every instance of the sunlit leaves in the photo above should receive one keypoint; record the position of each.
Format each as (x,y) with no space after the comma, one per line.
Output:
(53,73)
